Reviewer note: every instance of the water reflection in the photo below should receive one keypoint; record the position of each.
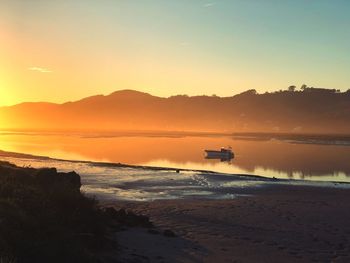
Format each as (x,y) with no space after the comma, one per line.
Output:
(261,157)
(224,154)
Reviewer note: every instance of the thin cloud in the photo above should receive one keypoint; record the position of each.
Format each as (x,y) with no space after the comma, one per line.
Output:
(208,4)
(184,44)
(41,70)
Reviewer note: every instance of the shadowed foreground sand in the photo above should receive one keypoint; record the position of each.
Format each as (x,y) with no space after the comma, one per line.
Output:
(275,224)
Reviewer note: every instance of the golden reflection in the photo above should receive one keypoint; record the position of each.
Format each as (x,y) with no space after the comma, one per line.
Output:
(188,152)
(3,121)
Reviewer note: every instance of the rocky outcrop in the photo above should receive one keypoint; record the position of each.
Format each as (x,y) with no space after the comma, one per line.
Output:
(47,177)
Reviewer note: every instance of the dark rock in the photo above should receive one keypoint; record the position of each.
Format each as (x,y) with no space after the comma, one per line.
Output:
(43,213)
(169,233)
(110,211)
(127,218)
(72,178)
(153,231)
(137,220)
(121,213)
(46,175)
(50,176)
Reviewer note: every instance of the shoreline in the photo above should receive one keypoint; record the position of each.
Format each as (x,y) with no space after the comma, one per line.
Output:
(248,177)
(276,223)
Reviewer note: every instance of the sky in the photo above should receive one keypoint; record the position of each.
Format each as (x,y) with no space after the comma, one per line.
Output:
(64,50)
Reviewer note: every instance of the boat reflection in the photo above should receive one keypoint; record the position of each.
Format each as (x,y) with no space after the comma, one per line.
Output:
(224,155)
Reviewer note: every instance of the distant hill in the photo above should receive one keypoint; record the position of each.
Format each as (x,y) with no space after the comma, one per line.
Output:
(308,111)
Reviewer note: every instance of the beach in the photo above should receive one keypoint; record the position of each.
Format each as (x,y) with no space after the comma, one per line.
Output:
(271,224)
(204,216)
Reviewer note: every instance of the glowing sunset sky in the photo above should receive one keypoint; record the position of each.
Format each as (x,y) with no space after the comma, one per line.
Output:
(66,50)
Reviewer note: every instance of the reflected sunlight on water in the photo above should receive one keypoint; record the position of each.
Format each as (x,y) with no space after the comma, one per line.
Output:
(268,158)
(109,183)
(271,158)
(115,182)
(140,184)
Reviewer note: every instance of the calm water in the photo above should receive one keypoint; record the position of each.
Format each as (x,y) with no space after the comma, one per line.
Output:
(269,158)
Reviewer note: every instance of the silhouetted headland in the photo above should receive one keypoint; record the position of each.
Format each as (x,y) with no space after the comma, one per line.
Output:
(310,110)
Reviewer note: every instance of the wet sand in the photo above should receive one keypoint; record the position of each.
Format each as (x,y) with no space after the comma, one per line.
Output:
(271,224)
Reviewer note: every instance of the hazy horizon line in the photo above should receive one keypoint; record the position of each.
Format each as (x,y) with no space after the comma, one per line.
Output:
(165,97)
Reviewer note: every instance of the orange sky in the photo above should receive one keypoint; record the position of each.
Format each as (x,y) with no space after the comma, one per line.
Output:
(59,51)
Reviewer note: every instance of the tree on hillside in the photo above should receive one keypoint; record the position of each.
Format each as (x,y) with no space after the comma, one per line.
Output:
(292,88)
(249,92)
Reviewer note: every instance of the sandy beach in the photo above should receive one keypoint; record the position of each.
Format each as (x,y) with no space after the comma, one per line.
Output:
(270,224)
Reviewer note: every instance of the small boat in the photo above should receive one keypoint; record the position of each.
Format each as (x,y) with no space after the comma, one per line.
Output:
(223,154)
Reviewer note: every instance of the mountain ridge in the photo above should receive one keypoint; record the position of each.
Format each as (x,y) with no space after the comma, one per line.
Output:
(310,110)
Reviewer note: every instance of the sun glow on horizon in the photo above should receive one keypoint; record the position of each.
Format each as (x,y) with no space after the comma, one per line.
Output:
(62,51)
